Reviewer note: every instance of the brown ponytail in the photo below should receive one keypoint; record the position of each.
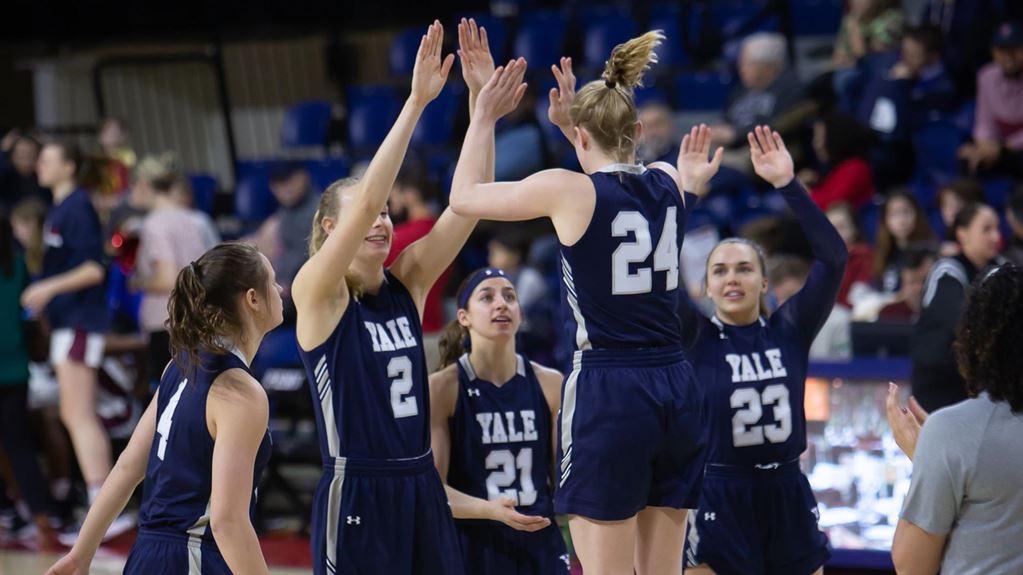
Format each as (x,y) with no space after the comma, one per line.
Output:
(606,107)
(203,308)
(452,343)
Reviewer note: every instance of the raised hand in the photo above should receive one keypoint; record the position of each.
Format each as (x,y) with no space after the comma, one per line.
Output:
(503,92)
(430,73)
(562,97)
(474,53)
(504,511)
(771,160)
(694,168)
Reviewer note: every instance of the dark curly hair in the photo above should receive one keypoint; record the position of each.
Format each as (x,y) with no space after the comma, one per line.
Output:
(990,336)
(203,306)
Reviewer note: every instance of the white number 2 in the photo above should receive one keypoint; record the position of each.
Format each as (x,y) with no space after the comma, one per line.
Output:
(163,426)
(745,432)
(666,258)
(400,371)
(504,465)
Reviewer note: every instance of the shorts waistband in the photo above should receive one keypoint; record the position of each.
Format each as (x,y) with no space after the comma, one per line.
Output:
(150,534)
(639,357)
(757,470)
(365,466)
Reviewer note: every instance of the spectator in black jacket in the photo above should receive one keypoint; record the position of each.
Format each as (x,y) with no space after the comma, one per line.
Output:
(936,381)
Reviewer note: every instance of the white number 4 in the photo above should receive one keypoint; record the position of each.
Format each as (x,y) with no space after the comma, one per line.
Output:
(163,426)
(745,432)
(666,258)
(400,372)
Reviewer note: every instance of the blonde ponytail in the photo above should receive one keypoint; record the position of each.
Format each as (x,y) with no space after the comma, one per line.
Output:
(630,60)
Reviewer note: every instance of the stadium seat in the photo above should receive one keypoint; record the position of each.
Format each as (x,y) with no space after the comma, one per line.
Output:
(541,39)
(815,17)
(435,126)
(204,191)
(253,201)
(702,91)
(672,53)
(306,124)
(371,111)
(402,54)
(602,34)
(324,172)
(936,145)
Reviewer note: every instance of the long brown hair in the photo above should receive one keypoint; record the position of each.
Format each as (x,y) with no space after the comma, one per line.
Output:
(34,211)
(330,207)
(885,245)
(453,340)
(203,306)
(606,107)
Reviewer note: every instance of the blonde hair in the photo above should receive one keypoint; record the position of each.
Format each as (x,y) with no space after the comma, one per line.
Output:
(606,107)
(156,167)
(330,206)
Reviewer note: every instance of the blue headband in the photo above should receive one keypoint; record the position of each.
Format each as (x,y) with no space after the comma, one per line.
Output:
(475,280)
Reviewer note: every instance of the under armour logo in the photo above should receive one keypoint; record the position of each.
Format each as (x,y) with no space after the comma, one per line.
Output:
(710,516)
(356,520)
(816,513)
(767,465)
(473,392)
(567,559)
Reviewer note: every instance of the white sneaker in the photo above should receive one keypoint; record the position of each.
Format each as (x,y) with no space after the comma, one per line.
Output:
(123,523)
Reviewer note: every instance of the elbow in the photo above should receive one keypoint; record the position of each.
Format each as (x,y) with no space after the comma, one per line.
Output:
(457,201)
(228,524)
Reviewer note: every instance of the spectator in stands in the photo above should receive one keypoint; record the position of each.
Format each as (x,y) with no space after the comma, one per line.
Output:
(113,140)
(787,276)
(27,219)
(170,239)
(284,237)
(658,142)
(868,26)
(998,127)
(414,202)
(915,264)
(860,268)
(770,90)
(181,192)
(952,197)
(17,442)
(508,252)
(70,292)
(841,144)
(966,26)
(520,144)
(936,383)
(18,155)
(1014,214)
(902,223)
(964,509)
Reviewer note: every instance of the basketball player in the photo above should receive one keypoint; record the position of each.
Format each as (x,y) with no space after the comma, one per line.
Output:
(629,445)
(492,419)
(380,506)
(757,514)
(203,442)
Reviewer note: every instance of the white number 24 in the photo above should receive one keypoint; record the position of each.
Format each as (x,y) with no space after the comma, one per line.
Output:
(666,258)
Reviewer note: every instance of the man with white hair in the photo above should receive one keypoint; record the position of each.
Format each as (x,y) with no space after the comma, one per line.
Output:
(769,88)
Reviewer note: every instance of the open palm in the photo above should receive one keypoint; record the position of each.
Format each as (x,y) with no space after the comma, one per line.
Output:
(562,96)
(474,53)
(694,167)
(430,73)
(503,91)
(771,160)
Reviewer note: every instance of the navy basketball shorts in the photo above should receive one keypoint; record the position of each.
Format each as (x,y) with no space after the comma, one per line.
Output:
(754,521)
(383,516)
(629,434)
(158,553)
(492,548)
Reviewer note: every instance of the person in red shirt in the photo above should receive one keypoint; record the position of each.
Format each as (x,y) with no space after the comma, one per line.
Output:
(413,202)
(842,144)
(860,267)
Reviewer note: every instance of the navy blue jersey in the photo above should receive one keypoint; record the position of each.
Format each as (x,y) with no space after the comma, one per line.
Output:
(621,277)
(501,439)
(179,476)
(73,236)
(754,376)
(368,379)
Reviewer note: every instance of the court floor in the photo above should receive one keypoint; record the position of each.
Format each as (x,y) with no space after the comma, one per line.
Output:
(32,563)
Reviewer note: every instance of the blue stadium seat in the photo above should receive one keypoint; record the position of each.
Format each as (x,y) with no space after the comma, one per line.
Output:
(371,111)
(672,52)
(438,120)
(204,191)
(602,34)
(541,39)
(647,94)
(734,18)
(279,349)
(997,192)
(702,91)
(120,298)
(402,54)
(815,17)
(936,145)
(306,123)
(253,201)
(870,215)
(322,173)
(497,34)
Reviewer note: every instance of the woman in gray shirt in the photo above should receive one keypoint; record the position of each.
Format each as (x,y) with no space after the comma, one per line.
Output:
(964,510)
